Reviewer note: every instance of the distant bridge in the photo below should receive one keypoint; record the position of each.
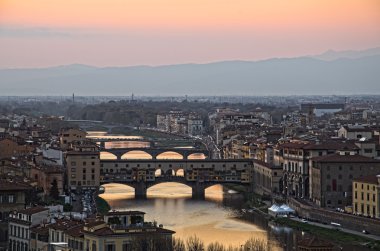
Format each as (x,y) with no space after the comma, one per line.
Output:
(197,174)
(154,152)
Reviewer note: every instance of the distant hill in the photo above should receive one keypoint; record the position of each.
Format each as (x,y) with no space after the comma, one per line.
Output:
(333,55)
(330,73)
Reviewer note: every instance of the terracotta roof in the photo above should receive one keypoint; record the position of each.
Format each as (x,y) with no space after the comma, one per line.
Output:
(94,223)
(64,224)
(262,163)
(331,145)
(6,185)
(41,230)
(371,179)
(33,210)
(124,212)
(75,231)
(345,158)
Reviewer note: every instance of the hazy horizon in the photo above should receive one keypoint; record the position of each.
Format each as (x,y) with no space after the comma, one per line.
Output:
(41,33)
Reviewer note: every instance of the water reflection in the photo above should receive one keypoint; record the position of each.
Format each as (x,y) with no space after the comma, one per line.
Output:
(171,205)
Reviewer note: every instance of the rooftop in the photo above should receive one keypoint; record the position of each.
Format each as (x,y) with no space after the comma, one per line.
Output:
(371,179)
(338,158)
(33,210)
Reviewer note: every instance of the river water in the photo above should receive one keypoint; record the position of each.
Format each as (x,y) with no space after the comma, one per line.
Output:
(217,218)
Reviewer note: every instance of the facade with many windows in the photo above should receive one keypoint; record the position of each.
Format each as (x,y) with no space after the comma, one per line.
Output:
(366,196)
(20,225)
(332,177)
(83,167)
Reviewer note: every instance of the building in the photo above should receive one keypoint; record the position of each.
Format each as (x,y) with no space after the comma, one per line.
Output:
(295,158)
(39,238)
(21,224)
(267,178)
(366,196)
(68,136)
(83,166)
(195,126)
(12,197)
(126,231)
(10,148)
(45,175)
(355,132)
(332,176)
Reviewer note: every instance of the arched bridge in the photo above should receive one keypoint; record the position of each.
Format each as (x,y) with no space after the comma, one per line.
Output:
(119,153)
(197,174)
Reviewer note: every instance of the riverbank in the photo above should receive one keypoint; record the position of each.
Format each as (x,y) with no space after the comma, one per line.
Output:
(102,205)
(334,235)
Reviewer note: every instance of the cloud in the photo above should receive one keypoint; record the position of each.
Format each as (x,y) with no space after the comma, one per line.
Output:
(11,31)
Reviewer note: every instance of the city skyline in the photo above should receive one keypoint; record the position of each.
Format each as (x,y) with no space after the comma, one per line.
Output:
(125,33)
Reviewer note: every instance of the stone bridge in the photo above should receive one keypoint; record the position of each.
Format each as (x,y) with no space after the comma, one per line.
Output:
(154,152)
(197,174)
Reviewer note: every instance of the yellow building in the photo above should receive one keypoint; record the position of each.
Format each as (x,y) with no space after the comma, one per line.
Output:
(366,196)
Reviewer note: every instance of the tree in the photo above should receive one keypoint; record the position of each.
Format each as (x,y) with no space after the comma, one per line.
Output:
(193,243)
(54,193)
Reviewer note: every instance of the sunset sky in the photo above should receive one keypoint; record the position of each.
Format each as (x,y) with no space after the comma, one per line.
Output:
(40,33)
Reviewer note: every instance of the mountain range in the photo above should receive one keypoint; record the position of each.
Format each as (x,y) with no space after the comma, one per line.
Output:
(333,72)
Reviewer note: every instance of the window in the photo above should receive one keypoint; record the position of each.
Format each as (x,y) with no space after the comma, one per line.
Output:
(84,163)
(116,165)
(93,163)
(328,176)
(356,195)
(373,197)
(340,176)
(11,199)
(73,163)
(110,247)
(367,150)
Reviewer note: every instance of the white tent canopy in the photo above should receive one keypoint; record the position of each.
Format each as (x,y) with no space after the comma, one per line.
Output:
(277,210)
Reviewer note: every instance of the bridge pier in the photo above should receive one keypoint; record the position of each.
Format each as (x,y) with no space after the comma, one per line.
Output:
(140,190)
(198,191)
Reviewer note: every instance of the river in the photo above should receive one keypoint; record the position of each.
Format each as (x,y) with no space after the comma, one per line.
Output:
(217,218)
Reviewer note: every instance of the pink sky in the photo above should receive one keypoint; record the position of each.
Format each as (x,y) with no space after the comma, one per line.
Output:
(43,33)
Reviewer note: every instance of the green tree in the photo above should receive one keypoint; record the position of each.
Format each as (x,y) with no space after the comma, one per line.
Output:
(54,193)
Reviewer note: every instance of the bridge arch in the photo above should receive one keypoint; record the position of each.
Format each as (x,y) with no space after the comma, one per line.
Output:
(180,172)
(107,156)
(170,155)
(158,173)
(136,154)
(197,156)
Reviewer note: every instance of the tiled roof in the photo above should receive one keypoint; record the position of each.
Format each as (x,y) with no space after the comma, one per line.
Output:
(64,224)
(6,185)
(33,210)
(124,213)
(371,179)
(345,158)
